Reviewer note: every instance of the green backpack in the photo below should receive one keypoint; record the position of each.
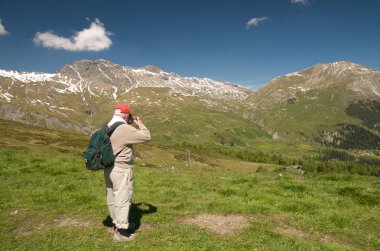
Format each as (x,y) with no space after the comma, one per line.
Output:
(99,154)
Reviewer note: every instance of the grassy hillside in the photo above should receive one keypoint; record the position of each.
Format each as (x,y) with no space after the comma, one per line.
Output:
(315,117)
(304,116)
(333,104)
(323,105)
(49,201)
(30,138)
(174,119)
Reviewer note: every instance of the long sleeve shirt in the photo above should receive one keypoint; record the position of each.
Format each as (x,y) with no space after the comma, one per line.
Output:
(122,140)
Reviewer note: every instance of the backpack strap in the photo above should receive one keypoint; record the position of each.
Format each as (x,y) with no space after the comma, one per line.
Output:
(110,130)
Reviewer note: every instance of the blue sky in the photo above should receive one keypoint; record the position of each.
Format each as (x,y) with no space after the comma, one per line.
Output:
(246,42)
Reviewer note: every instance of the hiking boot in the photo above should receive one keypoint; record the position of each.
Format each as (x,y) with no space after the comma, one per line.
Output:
(132,226)
(121,235)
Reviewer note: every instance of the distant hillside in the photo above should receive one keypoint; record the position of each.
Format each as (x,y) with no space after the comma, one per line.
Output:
(27,137)
(325,104)
(314,104)
(81,97)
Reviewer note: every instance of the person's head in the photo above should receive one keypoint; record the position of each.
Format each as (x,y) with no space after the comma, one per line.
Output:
(123,111)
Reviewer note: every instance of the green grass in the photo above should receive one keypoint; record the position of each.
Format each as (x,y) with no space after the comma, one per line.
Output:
(175,121)
(49,201)
(314,111)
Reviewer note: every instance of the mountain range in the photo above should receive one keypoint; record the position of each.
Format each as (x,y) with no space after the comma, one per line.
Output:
(336,104)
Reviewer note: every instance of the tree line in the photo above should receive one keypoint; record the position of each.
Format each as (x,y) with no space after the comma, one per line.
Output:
(329,160)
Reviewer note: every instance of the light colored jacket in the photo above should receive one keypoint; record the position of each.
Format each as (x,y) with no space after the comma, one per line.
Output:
(122,140)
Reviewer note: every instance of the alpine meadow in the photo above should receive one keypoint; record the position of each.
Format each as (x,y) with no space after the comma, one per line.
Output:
(294,165)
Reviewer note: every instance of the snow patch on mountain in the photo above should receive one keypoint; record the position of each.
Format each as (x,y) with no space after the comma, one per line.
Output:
(293,74)
(101,76)
(143,72)
(6,96)
(114,95)
(27,77)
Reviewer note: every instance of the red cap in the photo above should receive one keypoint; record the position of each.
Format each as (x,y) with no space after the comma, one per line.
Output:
(123,108)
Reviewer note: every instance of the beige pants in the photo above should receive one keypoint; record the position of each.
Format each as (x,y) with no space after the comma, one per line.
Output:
(119,187)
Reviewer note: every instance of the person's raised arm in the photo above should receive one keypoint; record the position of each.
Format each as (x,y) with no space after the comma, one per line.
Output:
(139,135)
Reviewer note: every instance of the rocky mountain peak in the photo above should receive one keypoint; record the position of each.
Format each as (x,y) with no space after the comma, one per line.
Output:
(337,69)
(84,65)
(152,68)
(360,81)
(96,71)
(83,87)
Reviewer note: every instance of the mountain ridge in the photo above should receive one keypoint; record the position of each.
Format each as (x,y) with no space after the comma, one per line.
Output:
(83,74)
(365,81)
(82,94)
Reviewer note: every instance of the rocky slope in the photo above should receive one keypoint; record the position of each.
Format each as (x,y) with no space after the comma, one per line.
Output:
(356,80)
(314,103)
(303,106)
(78,90)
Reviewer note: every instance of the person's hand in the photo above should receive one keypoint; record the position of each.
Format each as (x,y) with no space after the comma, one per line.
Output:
(138,122)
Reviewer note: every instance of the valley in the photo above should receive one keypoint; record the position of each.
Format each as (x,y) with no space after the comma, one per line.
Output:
(220,202)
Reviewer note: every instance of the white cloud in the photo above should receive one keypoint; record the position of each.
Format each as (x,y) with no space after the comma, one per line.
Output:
(2,30)
(304,2)
(94,38)
(255,21)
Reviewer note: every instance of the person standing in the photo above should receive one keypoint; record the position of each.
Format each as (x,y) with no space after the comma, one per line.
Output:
(119,178)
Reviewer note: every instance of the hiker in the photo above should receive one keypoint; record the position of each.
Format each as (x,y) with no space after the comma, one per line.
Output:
(119,178)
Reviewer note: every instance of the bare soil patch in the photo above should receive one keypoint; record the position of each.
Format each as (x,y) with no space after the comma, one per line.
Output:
(71,222)
(144,227)
(291,231)
(36,224)
(219,224)
(30,227)
(30,224)
(26,230)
